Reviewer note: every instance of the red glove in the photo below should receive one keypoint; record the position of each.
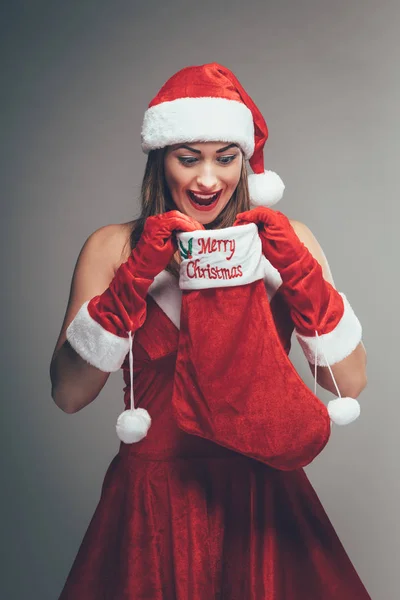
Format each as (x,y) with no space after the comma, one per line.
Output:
(100,330)
(314,303)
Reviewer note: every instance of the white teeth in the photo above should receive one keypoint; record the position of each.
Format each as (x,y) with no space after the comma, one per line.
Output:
(203,198)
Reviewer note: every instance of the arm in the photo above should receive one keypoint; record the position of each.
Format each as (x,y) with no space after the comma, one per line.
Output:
(350,373)
(102,329)
(75,382)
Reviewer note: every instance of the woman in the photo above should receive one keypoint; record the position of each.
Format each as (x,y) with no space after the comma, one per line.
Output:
(180,516)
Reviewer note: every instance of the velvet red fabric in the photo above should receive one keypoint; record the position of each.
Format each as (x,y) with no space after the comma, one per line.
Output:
(314,303)
(235,385)
(122,306)
(182,518)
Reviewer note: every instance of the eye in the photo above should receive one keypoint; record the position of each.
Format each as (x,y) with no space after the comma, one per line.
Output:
(227,158)
(187,160)
(191,160)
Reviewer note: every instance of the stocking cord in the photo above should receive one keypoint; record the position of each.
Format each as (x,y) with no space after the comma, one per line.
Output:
(131,367)
(315,367)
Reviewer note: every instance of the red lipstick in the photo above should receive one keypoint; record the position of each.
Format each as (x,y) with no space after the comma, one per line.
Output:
(201,203)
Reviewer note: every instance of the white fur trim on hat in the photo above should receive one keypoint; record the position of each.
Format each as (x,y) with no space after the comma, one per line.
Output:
(198,120)
(265,189)
(96,345)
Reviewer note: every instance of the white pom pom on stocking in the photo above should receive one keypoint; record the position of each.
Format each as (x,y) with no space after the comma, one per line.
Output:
(134,423)
(342,410)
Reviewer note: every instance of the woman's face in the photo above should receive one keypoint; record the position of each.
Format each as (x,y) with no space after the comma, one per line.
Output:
(202,177)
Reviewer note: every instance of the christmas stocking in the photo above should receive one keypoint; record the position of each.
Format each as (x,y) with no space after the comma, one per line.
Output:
(234,383)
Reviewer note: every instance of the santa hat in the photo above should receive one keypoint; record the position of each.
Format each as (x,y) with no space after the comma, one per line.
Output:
(207,103)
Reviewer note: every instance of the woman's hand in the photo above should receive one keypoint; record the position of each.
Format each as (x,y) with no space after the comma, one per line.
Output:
(157,243)
(280,244)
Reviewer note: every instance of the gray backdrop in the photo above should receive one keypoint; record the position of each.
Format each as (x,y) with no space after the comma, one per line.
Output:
(78,76)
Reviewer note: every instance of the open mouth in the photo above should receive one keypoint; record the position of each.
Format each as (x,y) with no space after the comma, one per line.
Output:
(203,201)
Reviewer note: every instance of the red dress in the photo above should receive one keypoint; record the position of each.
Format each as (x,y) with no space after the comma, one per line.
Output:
(182,518)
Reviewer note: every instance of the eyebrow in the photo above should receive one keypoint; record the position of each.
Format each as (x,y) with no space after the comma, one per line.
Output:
(199,151)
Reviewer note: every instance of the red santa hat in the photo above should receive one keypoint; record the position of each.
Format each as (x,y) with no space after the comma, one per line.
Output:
(207,103)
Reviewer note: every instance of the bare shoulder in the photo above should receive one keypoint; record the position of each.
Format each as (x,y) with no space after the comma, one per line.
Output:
(112,241)
(101,254)
(305,235)
(300,228)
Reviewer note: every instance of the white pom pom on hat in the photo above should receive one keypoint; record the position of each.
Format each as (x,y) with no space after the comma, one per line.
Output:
(265,189)
(207,103)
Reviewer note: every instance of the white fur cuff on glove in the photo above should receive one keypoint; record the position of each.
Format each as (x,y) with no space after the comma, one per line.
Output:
(336,345)
(96,345)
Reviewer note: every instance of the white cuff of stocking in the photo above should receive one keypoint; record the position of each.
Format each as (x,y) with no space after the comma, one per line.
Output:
(336,345)
(96,345)
(220,257)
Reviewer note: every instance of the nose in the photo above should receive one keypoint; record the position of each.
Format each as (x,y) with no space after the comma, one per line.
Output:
(207,179)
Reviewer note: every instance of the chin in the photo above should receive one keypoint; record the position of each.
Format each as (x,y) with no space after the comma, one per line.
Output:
(207,220)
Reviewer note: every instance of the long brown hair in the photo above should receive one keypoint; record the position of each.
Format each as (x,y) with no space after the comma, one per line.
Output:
(156,199)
